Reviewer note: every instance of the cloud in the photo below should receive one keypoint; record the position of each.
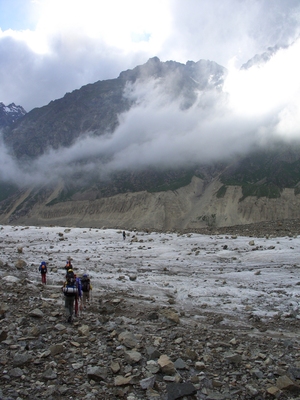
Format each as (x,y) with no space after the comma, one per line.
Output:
(256,105)
(74,43)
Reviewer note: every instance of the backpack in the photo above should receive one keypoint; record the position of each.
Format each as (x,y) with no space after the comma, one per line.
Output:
(70,287)
(43,269)
(85,284)
(70,278)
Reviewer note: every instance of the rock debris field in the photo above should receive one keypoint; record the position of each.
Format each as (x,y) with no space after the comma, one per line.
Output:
(172,316)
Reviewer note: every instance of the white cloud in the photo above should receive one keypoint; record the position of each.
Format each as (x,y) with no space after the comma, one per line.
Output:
(158,131)
(77,42)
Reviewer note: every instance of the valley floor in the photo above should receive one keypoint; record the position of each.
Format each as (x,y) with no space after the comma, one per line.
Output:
(226,305)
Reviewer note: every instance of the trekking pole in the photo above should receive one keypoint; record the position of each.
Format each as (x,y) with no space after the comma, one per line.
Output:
(76,307)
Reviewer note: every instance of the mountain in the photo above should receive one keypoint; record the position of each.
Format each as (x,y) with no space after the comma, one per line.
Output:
(260,186)
(96,107)
(10,114)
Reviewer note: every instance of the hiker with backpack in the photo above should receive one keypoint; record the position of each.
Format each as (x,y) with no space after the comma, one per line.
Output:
(43,271)
(70,290)
(86,288)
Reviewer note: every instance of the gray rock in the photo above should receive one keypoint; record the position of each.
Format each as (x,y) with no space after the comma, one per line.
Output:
(147,382)
(49,374)
(36,313)
(166,365)
(57,349)
(132,356)
(180,364)
(16,372)
(97,373)
(122,380)
(3,335)
(179,390)
(153,367)
(285,383)
(84,330)
(233,358)
(21,359)
(20,264)
(128,339)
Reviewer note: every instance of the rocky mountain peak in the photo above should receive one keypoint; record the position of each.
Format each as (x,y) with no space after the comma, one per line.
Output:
(10,114)
(96,107)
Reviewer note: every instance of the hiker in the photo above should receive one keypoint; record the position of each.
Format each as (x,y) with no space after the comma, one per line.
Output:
(68,265)
(70,291)
(43,271)
(124,235)
(78,296)
(86,287)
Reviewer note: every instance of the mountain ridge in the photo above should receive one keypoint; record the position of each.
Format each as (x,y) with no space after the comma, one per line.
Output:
(95,107)
(10,114)
(259,186)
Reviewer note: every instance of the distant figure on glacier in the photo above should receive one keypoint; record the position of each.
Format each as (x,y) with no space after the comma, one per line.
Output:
(68,265)
(124,235)
(43,271)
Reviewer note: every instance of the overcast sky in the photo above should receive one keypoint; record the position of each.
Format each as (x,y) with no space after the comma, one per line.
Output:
(50,47)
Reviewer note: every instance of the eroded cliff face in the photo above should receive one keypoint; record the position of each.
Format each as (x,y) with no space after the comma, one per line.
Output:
(191,207)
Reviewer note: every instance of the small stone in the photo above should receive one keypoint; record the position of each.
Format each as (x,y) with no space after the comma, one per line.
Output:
(36,313)
(273,390)
(233,358)
(56,349)
(60,327)
(152,366)
(132,356)
(166,364)
(97,373)
(171,315)
(179,390)
(115,367)
(128,339)
(16,372)
(147,382)
(200,366)
(180,364)
(20,264)
(21,359)
(77,365)
(84,330)
(49,374)
(121,380)
(284,382)
(3,335)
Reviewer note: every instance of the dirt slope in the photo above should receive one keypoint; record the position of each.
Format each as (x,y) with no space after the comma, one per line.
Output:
(192,207)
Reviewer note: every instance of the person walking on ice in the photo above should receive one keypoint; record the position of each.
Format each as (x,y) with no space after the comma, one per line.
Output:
(124,235)
(70,291)
(43,271)
(86,287)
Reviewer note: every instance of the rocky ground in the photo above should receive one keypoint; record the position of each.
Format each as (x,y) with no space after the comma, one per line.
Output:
(125,346)
(267,228)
